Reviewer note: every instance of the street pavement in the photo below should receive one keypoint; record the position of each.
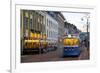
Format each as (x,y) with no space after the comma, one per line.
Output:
(54,56)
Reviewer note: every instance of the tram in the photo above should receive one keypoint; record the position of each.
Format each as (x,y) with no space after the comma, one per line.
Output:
(71,46)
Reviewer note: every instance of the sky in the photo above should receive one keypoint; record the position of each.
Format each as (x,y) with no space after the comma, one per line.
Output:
(75,18)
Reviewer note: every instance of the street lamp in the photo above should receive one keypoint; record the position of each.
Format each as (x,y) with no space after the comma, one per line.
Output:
(86,18)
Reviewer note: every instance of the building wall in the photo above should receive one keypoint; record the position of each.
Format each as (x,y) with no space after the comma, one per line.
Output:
(61,25)
(71,29)
(33,21)
(43,23)
(51,28)
(60,20)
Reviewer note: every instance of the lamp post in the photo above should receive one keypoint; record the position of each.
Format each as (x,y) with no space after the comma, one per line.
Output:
(86,19)
(87,28)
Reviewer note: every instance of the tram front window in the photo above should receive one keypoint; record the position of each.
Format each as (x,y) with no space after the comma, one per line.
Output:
(71,41)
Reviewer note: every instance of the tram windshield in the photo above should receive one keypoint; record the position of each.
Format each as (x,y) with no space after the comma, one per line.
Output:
(71,41)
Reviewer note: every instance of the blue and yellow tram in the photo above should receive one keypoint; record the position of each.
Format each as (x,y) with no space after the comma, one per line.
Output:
(71,46)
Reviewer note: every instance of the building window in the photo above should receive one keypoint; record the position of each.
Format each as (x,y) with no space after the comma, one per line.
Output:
(26,22)
(47,22)
(31,23)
